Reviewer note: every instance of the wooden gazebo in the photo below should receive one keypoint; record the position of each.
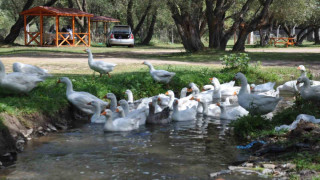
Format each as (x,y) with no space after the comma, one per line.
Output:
(104,20)
(60,38)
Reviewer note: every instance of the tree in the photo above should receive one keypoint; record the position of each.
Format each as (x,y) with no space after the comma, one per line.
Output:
(19,24)
(261,18)
(188,15)
(151,28)
(81,21)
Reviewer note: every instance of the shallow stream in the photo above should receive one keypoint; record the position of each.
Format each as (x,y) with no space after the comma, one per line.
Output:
(181,150)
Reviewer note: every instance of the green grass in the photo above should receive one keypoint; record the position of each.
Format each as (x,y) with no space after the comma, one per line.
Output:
(49,97)
(207,55)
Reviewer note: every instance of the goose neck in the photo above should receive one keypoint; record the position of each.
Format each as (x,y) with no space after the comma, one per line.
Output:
(171,99)
(125,108)
(306,83)
(109,121)
(90,57)
(69,86)
(97,111)
(130,97)
(244,84)
(2,71)
(205,107)
(113,104)
(150,67)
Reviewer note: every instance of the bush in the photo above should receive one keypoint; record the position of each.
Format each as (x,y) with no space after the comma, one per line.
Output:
(236,61)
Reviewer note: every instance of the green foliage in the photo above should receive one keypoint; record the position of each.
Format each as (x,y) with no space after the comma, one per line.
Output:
(306,160)
(258,126)
(250,126)
(236,61)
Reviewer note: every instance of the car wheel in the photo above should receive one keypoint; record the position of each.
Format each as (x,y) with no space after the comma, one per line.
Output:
(131,46)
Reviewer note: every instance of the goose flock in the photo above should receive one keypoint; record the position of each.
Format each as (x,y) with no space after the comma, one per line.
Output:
(224,101)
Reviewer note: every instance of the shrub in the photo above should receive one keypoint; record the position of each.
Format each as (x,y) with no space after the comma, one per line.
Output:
(236,61)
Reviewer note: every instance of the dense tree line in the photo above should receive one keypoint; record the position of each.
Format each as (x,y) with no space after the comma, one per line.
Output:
(191,20)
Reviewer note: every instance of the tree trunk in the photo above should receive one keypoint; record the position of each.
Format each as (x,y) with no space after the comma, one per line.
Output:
(241,41)
(151,29)
(302,36)
(129,14)
(15,29)
(260,21)
(187,17)
(261,37)
(316,35)
(143,17)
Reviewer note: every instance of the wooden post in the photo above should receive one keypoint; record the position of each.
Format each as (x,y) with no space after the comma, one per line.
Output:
(41,29)
(235,37)
(105,31)
(57,31)
(73,31)
(89,40)
(25,29)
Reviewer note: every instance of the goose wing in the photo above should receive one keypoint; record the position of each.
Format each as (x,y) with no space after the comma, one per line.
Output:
(163,73)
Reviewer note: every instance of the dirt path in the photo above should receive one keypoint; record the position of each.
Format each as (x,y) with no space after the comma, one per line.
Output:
(66,63)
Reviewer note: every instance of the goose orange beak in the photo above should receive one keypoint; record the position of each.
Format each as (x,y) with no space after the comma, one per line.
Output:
(58,81)
(118,104)
(235,93)
(202,90)
(104,113)
(89,103)
(297,83)
(218,104)
(84,50)
(211,79)
(192,98)
(198,99)
(251,88)
(105,97)
(167,93)
(159,99)
(298,68)
(189,90)
(117,110)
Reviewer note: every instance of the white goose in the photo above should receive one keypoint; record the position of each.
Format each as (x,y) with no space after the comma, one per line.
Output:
(183,115)
(211,110)
(119,124)
(160,75)
(262,87)
(231,112)
(255,104)
(113,102)
(99,66)
(204,95)
(308,92)
(304,74)
(17,82)
(96,117)
(227,89)
(140,114)
(81,99)
(30,69)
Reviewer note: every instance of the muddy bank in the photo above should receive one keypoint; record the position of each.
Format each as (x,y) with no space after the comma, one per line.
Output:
(17,130)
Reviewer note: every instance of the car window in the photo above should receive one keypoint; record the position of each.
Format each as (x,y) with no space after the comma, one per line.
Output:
(121,29)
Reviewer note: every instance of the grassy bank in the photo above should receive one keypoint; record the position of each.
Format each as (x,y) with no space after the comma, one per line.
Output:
(49,97)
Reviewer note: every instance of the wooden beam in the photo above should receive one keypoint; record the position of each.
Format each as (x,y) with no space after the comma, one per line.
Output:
(25,29)
(41,30)
(73,31)
(105,31)
(57,31)
(89,40)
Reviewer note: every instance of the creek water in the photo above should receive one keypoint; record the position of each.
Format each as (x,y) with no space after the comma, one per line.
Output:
(182,150)
(179,150)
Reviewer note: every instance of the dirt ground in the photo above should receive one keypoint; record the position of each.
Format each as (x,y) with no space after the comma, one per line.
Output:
(70,63)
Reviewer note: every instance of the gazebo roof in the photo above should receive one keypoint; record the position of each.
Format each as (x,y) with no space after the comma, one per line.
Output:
(103,19)
(54,11)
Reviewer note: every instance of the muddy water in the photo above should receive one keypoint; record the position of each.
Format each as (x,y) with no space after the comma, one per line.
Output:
(188,150)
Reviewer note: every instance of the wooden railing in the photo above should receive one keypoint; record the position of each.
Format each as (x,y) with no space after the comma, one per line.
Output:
(33,36)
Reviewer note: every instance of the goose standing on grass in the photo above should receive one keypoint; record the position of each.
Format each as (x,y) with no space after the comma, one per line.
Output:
(16,82)
(81,99)
(99,66)
(160,75)
(308,92)
(30,69)
(255,104)
(119,124)
(96,117)
(187,114)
